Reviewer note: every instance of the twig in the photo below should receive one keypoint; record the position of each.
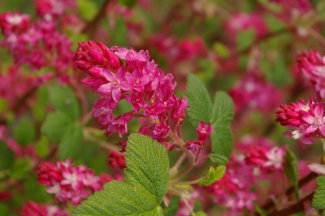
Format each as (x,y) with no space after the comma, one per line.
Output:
(94,23)
(295,208)
(305,180)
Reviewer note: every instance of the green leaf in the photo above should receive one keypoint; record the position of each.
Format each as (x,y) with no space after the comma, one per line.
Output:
(7,156)
(221,50)
(71,143)
(199,101)
(218,159)
(128,3)
(223,109)
(173,206)
(20,169)
(199,214)
(146,183)
(120,34)
(318,201)
(63,99)
(245,39)
(4,210)
(213,176)
(259,210)
(291,170)
(24,132)
(55,125)
(87,9)
(222,115)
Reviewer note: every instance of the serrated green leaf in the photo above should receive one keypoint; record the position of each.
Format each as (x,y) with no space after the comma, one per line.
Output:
(71,143)
(213,175)
(63,99)
(222,141)
(55,125)
(222,115)
(172,207)
(146,183)
(218,159)
(318,201)
(223,109)
(24,132)
(7,156)
(199,101)
(291,170)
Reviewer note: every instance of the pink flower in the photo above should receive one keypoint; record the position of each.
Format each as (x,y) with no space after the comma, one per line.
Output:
(204,130)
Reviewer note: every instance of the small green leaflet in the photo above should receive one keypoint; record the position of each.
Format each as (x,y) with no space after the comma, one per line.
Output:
(318,201)
(7,156)
(218,159)
(146,183)
(199,101)
(291,170)
(213,175)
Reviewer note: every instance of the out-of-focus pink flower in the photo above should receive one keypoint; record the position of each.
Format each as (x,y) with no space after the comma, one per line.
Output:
(36,209)
(68,183)
(255,93)
(243,21)
(312,67)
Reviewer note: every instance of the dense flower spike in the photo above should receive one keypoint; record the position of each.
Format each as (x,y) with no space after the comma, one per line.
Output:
(68,183)
(305,120)
(312,66)
(37,209)
(139,81)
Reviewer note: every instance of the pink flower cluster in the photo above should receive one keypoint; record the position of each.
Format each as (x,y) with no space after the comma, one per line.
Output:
(304,120)
(253,92)
(257,157)
(36,44)
(37,209)
(121,74)
(68,183)
(312,67)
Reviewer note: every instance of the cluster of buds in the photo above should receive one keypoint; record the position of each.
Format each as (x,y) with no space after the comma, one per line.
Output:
(140,82)
(36,44)
(256,158)
(116,159)
(312,66)
(37,209)
(68,183)
(304,120)
(254,92)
